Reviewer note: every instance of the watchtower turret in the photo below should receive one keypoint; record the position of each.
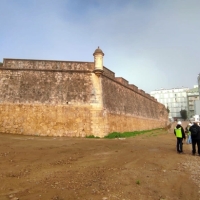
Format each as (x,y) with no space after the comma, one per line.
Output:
(98,61)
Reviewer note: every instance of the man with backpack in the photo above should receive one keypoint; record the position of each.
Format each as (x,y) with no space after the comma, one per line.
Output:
(180,135)
(195,135)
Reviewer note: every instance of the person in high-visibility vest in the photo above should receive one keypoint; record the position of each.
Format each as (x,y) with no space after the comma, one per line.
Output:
(180,135)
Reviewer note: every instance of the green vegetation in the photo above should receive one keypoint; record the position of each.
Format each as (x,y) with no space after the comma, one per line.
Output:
(183,114)
(153,132)
(168,109)
(92,136)
(138,182)
(127,134)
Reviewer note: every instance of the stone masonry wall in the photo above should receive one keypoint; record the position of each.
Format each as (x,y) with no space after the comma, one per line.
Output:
(50,87)
(134,109)
(59,98)
(45,120)
(124,123)
(49,98)
(121,100)
(35,82)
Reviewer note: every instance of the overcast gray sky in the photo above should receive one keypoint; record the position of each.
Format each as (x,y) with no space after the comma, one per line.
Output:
(152,44)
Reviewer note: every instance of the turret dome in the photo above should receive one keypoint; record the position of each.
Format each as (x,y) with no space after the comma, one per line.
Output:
(97,51)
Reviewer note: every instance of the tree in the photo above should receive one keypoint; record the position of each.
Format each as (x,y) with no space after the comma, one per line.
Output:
(168,109)
(183,114)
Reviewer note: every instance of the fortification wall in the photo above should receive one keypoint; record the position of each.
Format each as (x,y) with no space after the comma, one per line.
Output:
(119,99)
(24,81)
(49,98)
(127,123)
(133,108)
(59,98)
(45,120)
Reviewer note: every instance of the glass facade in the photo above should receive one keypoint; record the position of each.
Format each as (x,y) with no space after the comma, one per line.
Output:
(192,96)
(175,99)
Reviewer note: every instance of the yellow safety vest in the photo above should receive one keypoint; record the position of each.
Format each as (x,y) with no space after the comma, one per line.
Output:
(178,132)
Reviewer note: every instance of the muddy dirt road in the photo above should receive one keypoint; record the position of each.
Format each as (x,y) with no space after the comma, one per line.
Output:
(145,167)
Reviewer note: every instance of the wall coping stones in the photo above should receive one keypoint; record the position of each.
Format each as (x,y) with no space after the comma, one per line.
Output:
(46,64)
(132,87)
(50,70)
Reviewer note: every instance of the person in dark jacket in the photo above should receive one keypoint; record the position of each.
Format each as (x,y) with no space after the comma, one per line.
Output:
(180,135)
(195,135)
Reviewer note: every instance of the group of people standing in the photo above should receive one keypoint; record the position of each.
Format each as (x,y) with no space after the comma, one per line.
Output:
(192,132)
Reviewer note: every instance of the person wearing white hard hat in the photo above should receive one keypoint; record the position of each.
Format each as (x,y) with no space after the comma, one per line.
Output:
(180,135)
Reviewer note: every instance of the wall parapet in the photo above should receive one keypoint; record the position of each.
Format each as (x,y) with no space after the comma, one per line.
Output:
(133,87)
(46,65)
(111,75)
(122,81)
(108,73)
(46,70)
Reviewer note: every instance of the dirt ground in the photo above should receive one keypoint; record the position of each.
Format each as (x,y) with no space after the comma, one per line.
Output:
(145,167)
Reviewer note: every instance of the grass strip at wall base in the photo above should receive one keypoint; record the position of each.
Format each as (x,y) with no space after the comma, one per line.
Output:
(128,134)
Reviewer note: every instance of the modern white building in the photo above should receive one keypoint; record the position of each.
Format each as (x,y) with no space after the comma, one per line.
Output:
(197,107)
(174,99)
(192,99)
(198,81)
(197,102)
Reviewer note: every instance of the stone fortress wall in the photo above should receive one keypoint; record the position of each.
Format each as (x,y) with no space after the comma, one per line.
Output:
(130,108)
(62,98)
